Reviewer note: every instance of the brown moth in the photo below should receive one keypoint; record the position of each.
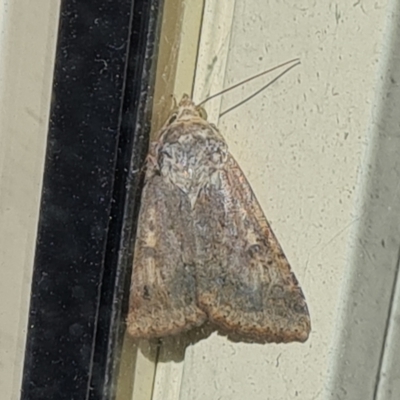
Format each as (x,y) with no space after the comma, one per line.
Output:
(204,249)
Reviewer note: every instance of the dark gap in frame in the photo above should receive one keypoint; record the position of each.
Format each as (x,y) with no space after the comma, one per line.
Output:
(97,140)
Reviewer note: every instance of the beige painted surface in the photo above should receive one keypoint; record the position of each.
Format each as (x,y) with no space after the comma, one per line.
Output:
(320,153)
(27,47)
(305,145)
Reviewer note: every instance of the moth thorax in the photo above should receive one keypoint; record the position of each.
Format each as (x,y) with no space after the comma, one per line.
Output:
(191,161)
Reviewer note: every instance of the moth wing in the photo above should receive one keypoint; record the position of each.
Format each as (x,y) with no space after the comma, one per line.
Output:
(163,288)
(245,283)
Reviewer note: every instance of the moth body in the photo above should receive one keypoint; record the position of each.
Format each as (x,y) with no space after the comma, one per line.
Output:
(204,249)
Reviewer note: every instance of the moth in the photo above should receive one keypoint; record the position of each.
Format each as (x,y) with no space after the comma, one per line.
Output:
(204,250)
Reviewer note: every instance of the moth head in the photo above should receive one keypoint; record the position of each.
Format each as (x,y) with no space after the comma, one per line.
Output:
(188,106)
(186,110)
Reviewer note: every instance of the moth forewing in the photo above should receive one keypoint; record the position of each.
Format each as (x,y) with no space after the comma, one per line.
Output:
(245,284)
(163,287)
(204,249)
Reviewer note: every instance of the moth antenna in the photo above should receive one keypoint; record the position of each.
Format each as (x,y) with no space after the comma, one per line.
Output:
(249,80)
(260,90)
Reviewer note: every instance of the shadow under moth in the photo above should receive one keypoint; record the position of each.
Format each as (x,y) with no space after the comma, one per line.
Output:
(204,250)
